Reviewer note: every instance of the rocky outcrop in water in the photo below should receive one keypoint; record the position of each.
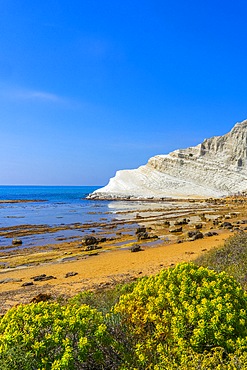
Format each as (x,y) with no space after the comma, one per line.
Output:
(217,167)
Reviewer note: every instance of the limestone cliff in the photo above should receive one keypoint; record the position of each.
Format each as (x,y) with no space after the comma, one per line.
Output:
(214,168)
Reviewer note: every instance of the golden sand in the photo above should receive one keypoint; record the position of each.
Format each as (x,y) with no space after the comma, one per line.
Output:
(99,271)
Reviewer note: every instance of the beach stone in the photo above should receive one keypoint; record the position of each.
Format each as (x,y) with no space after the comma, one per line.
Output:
(42,277)
(69,274)
(135,248)
(89,240)
(181,222)
(211,233)
(193,235)
(93,254)
(28,283)
(16,241)
(142,236)
(41,297)
(227,225)
(91,247)
(10,280)
(198,226)
(102,240)
(176,230)
(141,229)
(198,235)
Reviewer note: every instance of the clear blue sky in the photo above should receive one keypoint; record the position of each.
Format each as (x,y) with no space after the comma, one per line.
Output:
(89,87)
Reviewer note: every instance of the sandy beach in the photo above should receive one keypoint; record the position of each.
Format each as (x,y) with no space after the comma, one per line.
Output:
(100,271)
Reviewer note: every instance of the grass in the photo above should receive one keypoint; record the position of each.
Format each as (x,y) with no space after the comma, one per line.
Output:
(231,258)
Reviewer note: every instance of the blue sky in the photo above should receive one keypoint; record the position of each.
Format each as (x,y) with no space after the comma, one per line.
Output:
(89,87)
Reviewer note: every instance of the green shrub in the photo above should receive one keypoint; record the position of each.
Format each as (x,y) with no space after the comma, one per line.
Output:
(51,336)
(231,258)
(183,310)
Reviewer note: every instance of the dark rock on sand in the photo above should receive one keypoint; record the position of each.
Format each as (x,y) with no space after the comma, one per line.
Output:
(194,235)
(42,277)
(91,247)
(142,236)
(28,283)
(135,248)
(140,230)
(176,230)
(89,240)
(10,280)
(211,233)
(198,226)
(227,225)
(69,274)
(16,241)
(181,222)
(41,297)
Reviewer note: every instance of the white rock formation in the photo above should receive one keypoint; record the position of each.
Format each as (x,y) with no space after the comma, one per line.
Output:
(217,167)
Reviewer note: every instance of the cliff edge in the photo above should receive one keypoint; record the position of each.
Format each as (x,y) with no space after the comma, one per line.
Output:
(217,167)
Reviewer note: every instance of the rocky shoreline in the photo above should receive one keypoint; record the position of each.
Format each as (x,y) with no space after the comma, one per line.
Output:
(91,256)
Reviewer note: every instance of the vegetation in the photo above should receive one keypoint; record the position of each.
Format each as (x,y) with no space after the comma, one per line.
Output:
(231,258)
(192,316)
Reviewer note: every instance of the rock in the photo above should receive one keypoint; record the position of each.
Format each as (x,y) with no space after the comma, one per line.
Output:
(29,283)
(141,230)
(91,247)
(198,235)
(16,241)
(142,236)
(227,225)
(198,226)
(102,240)
(176,230)
(89,240)
(136,248)
(69,274)
(214,168)
(93,254)
(167,223)
(10,280)
(181,222)
(193,235)
(42,277)
(41,297)
(211,233)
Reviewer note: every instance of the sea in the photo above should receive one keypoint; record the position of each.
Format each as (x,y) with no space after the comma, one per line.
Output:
(54,206)
(51,205)
(66,205)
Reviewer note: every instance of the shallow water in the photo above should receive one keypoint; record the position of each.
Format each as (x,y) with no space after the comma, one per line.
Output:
(66,205)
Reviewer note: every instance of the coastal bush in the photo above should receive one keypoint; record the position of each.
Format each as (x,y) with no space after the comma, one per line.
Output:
(185,318)
(51,336)
(231,258)
(184,313)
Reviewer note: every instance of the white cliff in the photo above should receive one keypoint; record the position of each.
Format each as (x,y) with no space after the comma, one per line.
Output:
(217,167)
